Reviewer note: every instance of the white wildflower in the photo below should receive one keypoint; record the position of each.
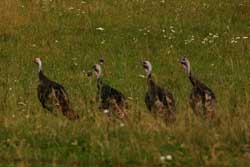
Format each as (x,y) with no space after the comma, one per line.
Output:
(169,157)
(162,158)
(192,38)
(100,29)
(105,111)
(215,36)
(130,98)
(233,40)
(135,39)
(74,143)
(103,42)
(142,76)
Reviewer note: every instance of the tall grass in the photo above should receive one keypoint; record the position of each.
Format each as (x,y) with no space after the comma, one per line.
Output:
(213,34)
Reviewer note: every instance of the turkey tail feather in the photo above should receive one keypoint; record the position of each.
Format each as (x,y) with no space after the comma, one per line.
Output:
(66,110)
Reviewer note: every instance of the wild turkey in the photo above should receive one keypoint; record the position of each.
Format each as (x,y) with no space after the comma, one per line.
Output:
(52,95)
(202,99)
(112,100)
(158,100)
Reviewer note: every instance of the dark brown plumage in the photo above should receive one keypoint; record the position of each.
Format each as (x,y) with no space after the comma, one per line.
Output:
(53,96)
(202,99)
(110,98)
(157,99)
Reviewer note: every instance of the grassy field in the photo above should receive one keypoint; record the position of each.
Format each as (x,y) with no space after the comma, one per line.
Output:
(71,35)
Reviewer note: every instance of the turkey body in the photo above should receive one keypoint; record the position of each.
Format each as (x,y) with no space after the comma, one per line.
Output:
(160,101)
(202,99)
(54,97)
(111,99)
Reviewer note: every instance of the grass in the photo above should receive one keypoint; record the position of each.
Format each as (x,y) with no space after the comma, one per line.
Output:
(211,33)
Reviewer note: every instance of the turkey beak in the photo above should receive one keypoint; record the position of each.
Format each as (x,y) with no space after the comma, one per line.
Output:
(144,65)
(89,74)
(180,61)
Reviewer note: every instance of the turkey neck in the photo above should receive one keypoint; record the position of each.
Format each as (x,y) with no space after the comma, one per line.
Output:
(150,82)
(192,79)
(190,76)
(42,77)
(99,83)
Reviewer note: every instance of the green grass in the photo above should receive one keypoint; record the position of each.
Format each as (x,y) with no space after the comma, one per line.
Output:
(64,35)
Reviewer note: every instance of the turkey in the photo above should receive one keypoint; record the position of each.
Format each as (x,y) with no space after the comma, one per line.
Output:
(52,95)
(202,99)
(111,100)
(158,100)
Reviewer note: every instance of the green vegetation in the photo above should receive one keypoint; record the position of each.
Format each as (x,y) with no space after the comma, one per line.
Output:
(213,34)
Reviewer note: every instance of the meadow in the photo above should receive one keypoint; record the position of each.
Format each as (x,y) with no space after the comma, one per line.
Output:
(71,35)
